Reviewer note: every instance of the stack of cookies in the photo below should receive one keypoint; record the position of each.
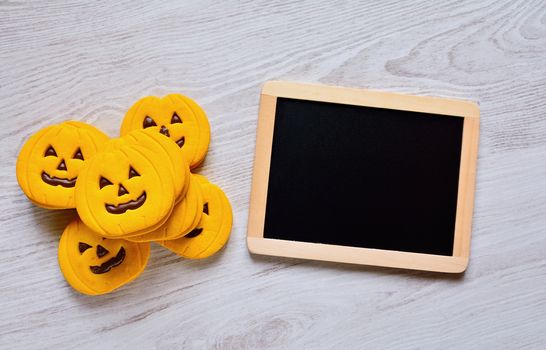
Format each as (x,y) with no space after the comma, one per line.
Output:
(128,191)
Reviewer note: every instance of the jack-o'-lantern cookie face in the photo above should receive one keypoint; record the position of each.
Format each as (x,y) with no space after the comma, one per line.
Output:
(96,265)
(213,230)
(124,191)
(176,116)
(50,161)
(183,219)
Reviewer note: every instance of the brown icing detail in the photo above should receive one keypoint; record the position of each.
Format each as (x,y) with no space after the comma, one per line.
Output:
(163,130)
(50,152)
(82,247)
(194,233)
(62,165)
(101,251)
(148,122)
(104,182)
(133,172)
(206,208)
(56,181)
(175,119)
(78,154)
(110,263)
(123,207)
(122,190)
(180,142)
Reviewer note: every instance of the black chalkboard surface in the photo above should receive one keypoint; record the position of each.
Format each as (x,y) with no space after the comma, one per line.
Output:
(363,177)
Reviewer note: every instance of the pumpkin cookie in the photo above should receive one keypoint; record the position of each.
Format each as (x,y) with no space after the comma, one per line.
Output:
(95,265)
(176,116)
(213,230)
(50,161)
(125,191)
(183,219)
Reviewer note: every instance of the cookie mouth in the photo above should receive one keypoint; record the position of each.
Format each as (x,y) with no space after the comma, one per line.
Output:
(109,264)
(123,207)
(194,233)
(57,181)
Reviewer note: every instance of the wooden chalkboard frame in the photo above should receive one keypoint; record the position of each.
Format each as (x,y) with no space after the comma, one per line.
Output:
(256,242)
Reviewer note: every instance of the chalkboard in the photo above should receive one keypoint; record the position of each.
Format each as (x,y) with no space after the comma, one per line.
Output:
(365,177)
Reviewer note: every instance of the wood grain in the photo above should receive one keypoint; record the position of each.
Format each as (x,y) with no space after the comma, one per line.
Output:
(91,60)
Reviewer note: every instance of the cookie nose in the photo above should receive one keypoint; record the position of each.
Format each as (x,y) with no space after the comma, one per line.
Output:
(164,131)
(101,251)
(62,165)
(122,190)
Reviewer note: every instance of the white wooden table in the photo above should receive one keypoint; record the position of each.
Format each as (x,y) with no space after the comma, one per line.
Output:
(91,60)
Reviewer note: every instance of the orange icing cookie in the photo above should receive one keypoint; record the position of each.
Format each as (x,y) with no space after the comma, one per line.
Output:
(176,116)
(125,191)
(95,265)
(50,161)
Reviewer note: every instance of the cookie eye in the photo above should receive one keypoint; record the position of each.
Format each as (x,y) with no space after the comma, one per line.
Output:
(78,154)
(206,208)
(133,172)
(175,119)
(104,182)
(148,122)
(50,152)
(181,141)
(82,247)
